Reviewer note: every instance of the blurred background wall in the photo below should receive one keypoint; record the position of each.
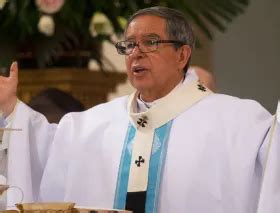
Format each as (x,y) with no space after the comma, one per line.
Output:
(246,59)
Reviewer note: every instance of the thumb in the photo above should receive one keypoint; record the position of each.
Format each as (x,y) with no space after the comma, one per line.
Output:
(14,70)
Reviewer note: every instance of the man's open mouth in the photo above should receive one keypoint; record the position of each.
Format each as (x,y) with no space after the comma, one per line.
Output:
(138,69)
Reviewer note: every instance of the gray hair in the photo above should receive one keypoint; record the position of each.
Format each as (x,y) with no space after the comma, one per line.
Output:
(177,27)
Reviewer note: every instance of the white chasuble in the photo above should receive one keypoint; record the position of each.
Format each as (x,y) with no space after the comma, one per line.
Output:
(271,175)
(138,187)
(215,156)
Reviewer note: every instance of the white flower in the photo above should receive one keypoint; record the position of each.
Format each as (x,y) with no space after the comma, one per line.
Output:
(100,24)
(49,6)
(2,4)
(46,25)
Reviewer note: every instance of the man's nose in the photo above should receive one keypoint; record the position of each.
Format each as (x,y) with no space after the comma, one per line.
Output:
(136,52)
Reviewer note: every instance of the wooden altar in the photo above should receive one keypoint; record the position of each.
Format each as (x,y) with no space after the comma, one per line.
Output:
(89,87)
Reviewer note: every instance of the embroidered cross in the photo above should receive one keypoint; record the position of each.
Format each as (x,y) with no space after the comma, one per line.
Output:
(139,161)
(142,121)
(201,87)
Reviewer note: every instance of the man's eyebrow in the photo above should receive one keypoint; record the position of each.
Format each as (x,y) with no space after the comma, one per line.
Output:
(148,35)
(151,35)
(130,38)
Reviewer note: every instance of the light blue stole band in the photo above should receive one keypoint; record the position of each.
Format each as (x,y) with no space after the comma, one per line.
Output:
(156,166)
(157,159)
(122,182)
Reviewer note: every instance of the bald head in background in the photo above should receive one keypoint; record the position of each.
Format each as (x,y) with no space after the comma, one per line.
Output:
(206,77)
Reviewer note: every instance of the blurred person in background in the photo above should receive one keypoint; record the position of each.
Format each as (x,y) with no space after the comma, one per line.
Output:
(55,103)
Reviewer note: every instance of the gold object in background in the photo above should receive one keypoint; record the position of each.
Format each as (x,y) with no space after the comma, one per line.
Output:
(89,87)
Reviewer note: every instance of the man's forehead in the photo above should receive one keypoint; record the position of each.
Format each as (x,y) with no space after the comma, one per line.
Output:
(146,26)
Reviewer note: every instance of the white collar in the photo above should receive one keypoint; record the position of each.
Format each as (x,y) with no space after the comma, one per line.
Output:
(142,105)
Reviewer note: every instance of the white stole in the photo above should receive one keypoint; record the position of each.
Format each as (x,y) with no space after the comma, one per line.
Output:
(146,122)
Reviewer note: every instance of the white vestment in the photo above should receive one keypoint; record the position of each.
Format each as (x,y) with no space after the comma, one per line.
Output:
(217,152)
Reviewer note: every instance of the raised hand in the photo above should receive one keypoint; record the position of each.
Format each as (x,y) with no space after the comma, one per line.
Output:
(8,90)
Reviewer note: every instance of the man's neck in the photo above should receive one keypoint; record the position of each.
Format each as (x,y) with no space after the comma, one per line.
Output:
(144,105)
(152,95)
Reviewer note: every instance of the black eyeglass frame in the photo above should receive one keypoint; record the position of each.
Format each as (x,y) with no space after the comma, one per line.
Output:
(136,44)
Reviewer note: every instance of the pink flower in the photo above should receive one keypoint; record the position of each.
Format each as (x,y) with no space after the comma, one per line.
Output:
(49,6)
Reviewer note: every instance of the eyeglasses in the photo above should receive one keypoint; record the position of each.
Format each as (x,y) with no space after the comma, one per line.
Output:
(145,46)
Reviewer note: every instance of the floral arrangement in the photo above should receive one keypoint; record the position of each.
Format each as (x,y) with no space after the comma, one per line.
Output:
(99,22)
(48,30)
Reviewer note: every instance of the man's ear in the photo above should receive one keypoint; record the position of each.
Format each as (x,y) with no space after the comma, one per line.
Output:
(184,56)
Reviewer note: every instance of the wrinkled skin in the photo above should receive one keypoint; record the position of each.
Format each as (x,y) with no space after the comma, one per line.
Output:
(162,69)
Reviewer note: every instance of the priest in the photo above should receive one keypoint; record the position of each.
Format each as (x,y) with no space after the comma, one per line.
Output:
(172,146)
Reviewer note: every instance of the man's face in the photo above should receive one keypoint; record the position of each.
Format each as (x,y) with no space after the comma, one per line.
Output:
(156,73)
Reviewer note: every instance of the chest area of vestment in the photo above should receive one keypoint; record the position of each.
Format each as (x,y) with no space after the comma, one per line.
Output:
(190,156)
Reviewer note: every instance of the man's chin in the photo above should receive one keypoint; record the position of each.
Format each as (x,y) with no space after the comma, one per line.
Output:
(141,88)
